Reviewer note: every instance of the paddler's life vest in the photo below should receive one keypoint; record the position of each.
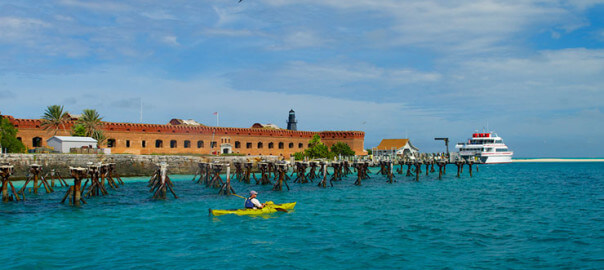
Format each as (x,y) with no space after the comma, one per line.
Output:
(249,203)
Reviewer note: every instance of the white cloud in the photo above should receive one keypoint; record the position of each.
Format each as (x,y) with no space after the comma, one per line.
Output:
(466,26)
(228,32)
(15,29)
(550,81)
(104,6)
(302,39)
(171,40)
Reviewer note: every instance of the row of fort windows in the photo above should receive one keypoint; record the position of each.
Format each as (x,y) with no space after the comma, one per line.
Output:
(37,142)
(200,144)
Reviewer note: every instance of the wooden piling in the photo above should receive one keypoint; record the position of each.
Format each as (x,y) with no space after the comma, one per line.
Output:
(226,188)
(35,176)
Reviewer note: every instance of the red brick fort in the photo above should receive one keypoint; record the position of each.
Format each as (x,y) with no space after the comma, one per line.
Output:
(130,138)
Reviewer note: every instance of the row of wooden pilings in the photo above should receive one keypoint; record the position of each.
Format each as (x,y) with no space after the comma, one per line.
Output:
(276,173)
(102,175)
(97,177)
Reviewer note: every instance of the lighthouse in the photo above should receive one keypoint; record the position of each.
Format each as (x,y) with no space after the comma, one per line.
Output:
(291,122)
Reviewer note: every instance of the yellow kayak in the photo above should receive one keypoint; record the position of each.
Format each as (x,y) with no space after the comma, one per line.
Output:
(269,208)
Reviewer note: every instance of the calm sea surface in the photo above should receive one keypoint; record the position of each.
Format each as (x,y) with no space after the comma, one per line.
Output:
(520,216)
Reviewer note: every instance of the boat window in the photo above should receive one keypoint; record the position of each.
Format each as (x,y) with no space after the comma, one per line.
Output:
(502,149)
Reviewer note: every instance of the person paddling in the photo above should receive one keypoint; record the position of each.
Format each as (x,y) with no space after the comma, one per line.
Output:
(252,202)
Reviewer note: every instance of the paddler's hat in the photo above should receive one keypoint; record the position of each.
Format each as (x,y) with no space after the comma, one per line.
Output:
(253,193)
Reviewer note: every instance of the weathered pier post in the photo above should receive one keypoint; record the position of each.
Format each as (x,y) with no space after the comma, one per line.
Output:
(216,181)
(441,164)
(54,175)
(300,170)
(470,167)
(75,192)
(5,172)
(202,171)
(361,168)
(264,179)
(390,171)
(35,175)
(162,183)
(323,169)
(113,175)
(238,170)
(337,170)
(226,188)
(312,173)
(106,174)
(409,165)
(346,168)
(282,173)
(418,169)
(323,182)
(248,171)
(96,185)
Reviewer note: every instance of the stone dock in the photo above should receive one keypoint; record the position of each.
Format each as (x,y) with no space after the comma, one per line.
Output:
(126,165)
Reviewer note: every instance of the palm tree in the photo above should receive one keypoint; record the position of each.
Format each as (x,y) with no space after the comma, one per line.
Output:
(92,123)
(99,136)
(54,118)
(91,120)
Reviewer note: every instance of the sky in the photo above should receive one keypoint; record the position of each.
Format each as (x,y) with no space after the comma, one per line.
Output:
(531,71)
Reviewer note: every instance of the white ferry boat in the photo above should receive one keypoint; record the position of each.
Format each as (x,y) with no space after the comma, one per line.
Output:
(487,147)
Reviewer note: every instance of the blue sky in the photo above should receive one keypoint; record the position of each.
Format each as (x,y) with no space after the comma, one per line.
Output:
(533,71)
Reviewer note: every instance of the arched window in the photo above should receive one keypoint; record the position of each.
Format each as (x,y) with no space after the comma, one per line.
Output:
(173,144)
(127,143)
(237,144)
(271,145)
(19,139)
(187,144)
(248,145)
(300,145)
(159,143)
(260,145)
(281,145)
(36,142)
(110,143)
(144,144)
(291,145)
(199,144)
(212,144)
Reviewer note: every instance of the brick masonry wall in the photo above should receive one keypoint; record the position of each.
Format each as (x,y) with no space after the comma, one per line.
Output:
(129,138)
(126,165)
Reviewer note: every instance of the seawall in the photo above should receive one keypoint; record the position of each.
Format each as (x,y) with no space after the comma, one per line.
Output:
(126,165)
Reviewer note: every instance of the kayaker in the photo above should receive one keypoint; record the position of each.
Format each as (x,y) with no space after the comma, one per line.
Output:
(253,203)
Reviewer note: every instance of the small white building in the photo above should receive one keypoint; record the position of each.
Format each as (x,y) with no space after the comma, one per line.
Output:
(398,147)
(63,144)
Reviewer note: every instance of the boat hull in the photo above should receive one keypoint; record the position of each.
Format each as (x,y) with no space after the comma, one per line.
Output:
(268,209)
(496,159)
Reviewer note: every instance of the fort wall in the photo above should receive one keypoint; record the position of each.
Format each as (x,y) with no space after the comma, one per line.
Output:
(126,165)
(144,139)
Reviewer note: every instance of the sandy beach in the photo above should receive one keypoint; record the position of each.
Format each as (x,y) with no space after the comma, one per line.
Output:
(560,160)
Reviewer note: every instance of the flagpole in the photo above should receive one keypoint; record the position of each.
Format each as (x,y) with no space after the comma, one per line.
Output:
(217,121)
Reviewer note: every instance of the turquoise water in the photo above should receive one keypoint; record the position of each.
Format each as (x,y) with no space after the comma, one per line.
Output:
(521,216)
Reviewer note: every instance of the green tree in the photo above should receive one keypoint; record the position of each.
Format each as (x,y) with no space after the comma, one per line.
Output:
(99,136)
(299,155)
(54,119)
(342,149)
(78,130)
(369,151)
(317,149)
(91,121)
(8,137)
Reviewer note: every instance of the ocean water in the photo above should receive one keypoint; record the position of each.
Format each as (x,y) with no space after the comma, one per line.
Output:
(514,216)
